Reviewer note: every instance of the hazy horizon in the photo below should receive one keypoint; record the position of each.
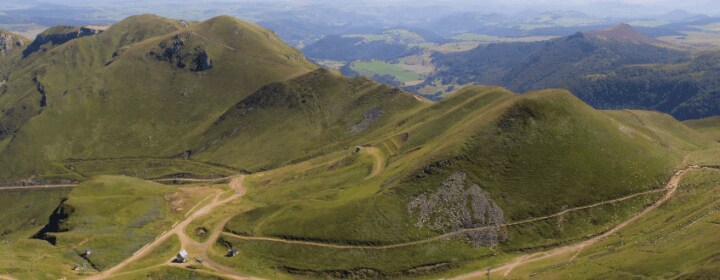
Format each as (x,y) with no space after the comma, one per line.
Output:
(611,9)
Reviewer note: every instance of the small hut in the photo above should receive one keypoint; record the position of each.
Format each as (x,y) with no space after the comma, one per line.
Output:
(181,257)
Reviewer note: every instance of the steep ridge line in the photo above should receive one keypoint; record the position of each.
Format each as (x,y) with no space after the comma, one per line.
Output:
(668,188)
(671,188)
(236,184)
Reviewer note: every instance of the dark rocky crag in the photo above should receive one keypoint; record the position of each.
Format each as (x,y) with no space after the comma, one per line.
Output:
(58,38)
(177,52)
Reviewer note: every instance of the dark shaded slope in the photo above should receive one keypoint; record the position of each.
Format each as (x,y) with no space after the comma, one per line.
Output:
(57,35)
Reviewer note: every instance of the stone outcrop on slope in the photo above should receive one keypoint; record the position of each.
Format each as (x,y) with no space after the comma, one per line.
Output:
(453,207)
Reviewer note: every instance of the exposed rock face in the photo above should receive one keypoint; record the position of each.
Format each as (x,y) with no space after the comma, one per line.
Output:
(453,207)
(176,52)
(57,39)
(8,42)
(370,117)
(56,223)
(201,62)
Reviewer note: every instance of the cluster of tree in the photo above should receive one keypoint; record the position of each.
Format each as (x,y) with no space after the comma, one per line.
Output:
(686,91)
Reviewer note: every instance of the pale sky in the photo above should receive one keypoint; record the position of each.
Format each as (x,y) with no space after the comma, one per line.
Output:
(596,7)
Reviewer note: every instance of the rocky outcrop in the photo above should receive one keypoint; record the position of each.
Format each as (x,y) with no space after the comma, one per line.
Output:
(56,223)
(63,35)
(370,117)
(201,62)
(454,206)
(8,42)
(176,52)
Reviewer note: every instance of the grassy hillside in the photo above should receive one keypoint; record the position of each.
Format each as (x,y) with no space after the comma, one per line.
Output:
(673,242)
(11,47)
(111,215)
(168,80)
(24,212)
(311,115)
(519,157)
(115,216)
(342,177)
(708,126)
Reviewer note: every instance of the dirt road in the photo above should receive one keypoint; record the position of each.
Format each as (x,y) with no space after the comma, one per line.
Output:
(192,180)
(379,161)
(670,188)
(442,236)
(38,187)
(179,229)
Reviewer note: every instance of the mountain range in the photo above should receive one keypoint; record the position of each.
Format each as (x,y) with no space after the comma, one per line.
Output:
(171,149)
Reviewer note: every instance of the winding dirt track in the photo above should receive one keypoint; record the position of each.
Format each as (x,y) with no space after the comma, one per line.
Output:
(38,187)
(670,188)
(379,161)
(236,183)
(179,229)
(191,180)
(442,236)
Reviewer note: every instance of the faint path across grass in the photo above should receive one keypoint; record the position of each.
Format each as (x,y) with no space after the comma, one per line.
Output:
(38,187)
(670,188)
(379,161)
(442,236)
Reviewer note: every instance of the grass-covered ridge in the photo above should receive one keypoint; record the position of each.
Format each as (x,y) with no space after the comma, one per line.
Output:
(307,173)
(708,126)
(125,94)
(311,115)
(533,155)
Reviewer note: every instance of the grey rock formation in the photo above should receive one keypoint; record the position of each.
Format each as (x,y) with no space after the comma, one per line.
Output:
(8,42)
(370,117)
(177,53)
(453,207)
